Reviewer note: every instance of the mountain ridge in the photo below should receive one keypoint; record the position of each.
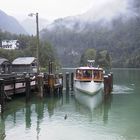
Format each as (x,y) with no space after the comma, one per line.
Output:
(118,36)
(10,24)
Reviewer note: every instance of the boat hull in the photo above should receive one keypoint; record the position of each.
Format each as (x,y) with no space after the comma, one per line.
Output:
(89,101)
(89,87)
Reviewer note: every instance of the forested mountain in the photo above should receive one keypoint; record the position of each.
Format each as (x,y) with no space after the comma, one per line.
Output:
(120,36)
(27,48)
(10,24)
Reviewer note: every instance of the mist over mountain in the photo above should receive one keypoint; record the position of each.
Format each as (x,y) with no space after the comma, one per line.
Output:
(29,25)
(103,13)
(10,24)
(116,32)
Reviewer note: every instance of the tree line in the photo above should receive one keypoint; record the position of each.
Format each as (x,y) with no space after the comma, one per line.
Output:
(27,48)
(120,38)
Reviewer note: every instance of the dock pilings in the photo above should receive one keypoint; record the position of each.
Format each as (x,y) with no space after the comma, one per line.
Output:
(108,83)
(61,82)
(28,87)
(72,81)
(67,81)
(51,82)
(40,85)
(14,84)
(2,97)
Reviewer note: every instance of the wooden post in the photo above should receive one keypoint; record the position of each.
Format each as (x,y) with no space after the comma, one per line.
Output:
(109,82)
(40,85)
(28,87)
(67,81)
(2,99)
(111,75)
(45,83)
(72,81)
(14,85)
(61,82)
(106,84)
(51,83)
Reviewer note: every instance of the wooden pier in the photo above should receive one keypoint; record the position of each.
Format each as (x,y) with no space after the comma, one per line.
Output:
(43,84)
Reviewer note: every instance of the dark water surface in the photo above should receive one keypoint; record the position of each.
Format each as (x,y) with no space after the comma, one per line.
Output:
(79,117)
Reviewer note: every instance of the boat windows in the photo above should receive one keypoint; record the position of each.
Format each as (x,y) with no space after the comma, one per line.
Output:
(88,74)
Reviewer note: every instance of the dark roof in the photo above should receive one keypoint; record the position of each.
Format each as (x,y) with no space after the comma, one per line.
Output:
(23,60)
(2,60)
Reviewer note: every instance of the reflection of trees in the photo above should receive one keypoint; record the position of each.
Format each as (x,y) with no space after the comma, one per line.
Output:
(107,106)
(39,108)
(2,128)
(51,104)
(23,111)
(28,115)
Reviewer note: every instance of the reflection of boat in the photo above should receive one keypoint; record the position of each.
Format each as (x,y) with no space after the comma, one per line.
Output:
(88,101)
(89,79)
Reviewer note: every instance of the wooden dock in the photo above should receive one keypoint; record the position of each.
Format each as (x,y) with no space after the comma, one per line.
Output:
(42,84)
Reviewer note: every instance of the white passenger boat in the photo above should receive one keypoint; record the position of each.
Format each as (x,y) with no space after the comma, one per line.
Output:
(89,79)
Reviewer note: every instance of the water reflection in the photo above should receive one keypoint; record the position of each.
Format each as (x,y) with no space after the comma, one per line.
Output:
(97,104)
(2,129)
(34,117)
(106,108)
(89,101)
(28,115)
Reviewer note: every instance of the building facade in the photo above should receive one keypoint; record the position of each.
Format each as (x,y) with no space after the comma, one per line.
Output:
(24,64)
(10,44)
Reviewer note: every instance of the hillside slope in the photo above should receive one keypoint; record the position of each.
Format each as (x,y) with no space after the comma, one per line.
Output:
(10,24)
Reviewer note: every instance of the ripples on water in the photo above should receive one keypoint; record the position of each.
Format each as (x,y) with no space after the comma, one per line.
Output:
(115,117)
(122,89)
(88,118)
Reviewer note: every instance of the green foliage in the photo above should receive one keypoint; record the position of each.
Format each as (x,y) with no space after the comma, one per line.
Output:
(89,54)
(121,38)
(27,48)
(46,54)
(102,58)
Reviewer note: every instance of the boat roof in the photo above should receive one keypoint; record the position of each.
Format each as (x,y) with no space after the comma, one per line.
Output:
(89,68)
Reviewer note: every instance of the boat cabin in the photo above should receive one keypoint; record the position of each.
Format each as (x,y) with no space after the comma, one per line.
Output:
(89,74)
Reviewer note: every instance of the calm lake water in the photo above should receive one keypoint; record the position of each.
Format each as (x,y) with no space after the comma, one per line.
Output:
(79,117)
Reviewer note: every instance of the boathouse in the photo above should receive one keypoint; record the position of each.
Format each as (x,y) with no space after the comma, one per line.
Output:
(5,66)
(24,64)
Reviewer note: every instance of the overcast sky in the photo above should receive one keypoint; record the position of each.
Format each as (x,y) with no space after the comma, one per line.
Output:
(53,9)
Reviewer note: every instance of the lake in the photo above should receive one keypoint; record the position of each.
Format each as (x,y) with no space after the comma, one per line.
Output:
(76,116)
